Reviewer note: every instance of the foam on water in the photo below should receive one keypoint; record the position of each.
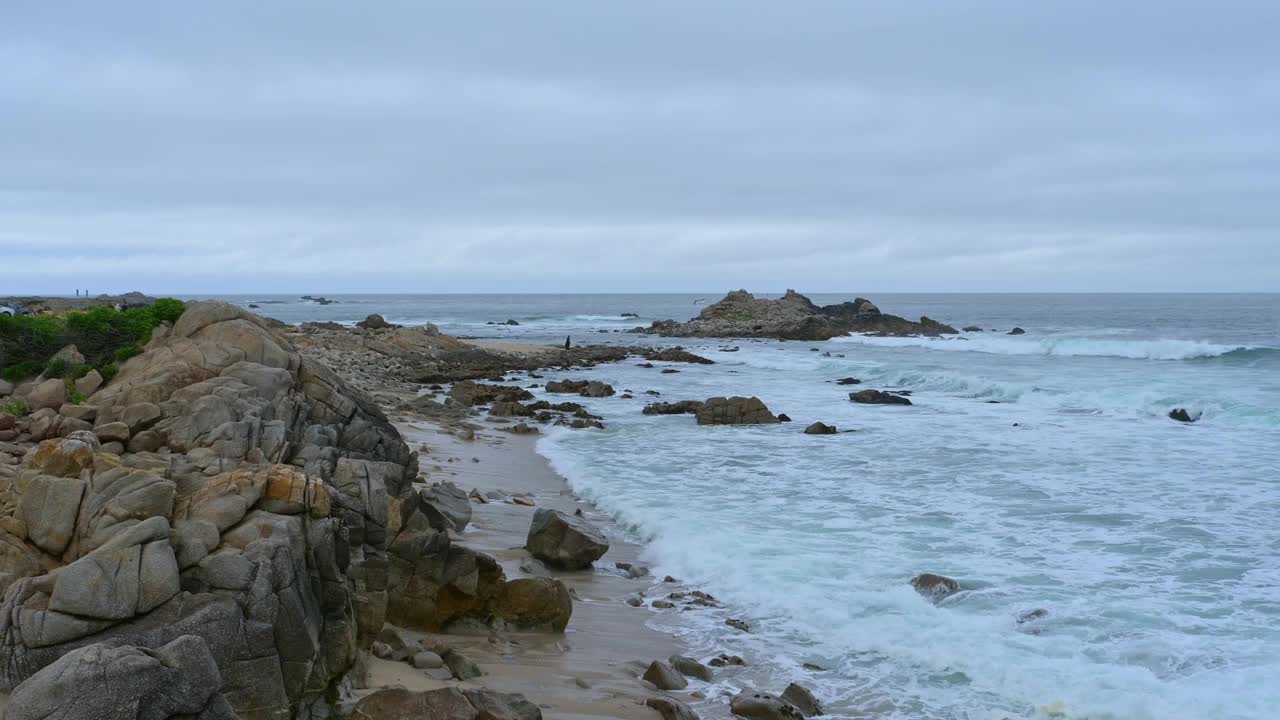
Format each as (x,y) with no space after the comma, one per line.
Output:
(1152,544)
(1067,346)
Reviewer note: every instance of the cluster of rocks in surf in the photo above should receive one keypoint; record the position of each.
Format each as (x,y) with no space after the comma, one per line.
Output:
(793,317)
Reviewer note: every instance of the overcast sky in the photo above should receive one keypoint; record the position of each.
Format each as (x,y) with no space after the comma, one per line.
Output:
(598,145)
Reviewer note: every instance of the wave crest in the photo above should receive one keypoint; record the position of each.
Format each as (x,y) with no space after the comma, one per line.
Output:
(1066,346)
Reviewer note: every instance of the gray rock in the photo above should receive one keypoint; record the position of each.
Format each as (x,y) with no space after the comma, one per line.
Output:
(804,701)
(43,424)
(735,411)
(535,603)
(427,660)
(494,705)
(763,706)
(935,587)
(6,388)
(179,681)
(49,507)
(664,677)
(112,432)
(400,704)
(820,428)
(70,425)
(86,413)
(691,668)
(565,541)
(90,383)
(141,416)
(878,397)
(450,501)
(50,394)
(145,441)
(460,666)
(671,709)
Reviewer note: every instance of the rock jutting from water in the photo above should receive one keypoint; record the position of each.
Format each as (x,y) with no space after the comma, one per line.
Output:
(793,317)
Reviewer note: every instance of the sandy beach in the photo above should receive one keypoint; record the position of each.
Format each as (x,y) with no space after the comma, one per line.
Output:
(592,670)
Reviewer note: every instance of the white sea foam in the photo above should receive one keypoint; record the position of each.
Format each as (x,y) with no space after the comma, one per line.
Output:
(1151,543)
(1064,346)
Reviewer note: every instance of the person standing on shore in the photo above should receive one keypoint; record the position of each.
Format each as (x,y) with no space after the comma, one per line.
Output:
(566,342)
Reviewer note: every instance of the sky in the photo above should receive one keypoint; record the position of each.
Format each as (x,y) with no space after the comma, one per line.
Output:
(595,146)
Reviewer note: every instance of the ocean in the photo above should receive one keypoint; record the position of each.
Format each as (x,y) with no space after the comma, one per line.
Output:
(1039,470)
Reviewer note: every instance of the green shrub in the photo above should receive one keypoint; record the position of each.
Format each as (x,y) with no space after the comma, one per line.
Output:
(25,339)
(108,371)
(103,335)
(74,396)
(167,310)
(56,368)
(21,371)
(126,352)
(79,371)
(16,407)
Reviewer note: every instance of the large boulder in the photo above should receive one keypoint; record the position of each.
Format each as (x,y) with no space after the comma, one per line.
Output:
(735,411)
(664,677)
(802,698)
(535,603)
(433,582)
(565,541)
(178,681)
(671,709)
(448,503)
(90,383)
(50,394)
(757,705)
(251,509)
(448,703)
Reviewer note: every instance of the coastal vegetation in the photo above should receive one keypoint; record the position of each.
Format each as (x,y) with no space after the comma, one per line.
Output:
(103,336)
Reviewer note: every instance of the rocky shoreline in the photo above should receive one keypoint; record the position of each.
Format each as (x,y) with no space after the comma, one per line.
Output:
(235,512)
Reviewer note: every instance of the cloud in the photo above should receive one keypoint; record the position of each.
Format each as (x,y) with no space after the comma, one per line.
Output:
(663,146)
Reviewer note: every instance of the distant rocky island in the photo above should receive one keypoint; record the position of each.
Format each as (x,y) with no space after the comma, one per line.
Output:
(793,317)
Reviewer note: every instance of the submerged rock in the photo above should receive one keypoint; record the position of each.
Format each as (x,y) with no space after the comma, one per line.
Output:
(935,587)
(678,354)
(820,428)
(565,541)
(585,388)
(1181,415)
(878,397)
(692,668)
(1017,331)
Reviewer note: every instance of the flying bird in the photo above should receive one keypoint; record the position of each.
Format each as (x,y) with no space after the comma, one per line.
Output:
(695,302)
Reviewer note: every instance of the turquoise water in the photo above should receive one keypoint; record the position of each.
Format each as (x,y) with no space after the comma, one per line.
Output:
(1152,545)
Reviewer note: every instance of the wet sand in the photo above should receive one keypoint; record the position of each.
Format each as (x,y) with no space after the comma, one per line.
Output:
(592,670)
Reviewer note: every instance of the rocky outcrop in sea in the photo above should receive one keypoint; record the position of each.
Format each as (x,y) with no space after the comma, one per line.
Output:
(793,317)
